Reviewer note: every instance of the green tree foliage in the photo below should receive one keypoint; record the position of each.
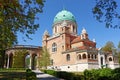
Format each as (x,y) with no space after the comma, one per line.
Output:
(17,16)
(44,59)
(2,56)
(109,46)
(98,74)
(116,74)
(106,11)
(118,53)
(119,45)
(19,59)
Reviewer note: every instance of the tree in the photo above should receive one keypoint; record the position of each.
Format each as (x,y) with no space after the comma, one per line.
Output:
(108,47)
(17,16)
(118,52)
(106,11)
(44,59)
(19,59)
(119,45)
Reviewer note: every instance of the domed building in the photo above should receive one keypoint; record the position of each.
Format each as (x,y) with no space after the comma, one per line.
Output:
(70,51)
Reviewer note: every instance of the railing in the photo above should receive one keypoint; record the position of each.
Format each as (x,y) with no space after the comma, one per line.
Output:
(25,46)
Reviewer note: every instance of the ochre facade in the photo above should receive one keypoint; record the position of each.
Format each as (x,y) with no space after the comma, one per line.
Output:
(70,51)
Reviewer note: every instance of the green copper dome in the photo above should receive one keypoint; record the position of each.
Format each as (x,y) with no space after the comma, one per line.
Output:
(64,15)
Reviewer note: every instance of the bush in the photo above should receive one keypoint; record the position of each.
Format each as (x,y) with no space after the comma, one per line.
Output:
(30,75)
(98,74)
(51,72)
(64,75)
(117,70)
(105,78)
(106,72)
(116,74)
(78,77)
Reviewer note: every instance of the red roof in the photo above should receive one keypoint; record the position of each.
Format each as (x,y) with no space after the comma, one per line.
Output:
(86,42)
(78,39)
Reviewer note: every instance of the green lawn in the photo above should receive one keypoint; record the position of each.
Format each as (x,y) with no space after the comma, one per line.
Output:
(12,74)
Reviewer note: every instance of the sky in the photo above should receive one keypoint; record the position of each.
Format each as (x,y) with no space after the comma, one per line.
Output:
(82,10)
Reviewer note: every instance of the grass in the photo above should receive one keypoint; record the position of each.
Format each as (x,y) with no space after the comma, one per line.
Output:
(12,74)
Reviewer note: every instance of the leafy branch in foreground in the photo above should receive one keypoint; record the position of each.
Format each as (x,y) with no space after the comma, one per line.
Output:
(18,16)
(106,11)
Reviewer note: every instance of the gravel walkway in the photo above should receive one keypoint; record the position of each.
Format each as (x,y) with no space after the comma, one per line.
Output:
(42,76)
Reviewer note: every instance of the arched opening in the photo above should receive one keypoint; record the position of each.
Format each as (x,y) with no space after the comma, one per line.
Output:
(34,61)
(27,61)
(68,57)
(110,59)
(84,56)
(55,29)
(95,56)
(79,57)
(101,61)
(74,29)
(10,60)
(6,60)
(88,56)
(92,56)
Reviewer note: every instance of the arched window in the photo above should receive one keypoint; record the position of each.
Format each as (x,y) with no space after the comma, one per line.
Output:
(74,30)
(110,59)
(55,29)
(79,57)
(54,47)
(92,56)
(88,56)
(84,56)
(68,57)
(95,56)
(101,60)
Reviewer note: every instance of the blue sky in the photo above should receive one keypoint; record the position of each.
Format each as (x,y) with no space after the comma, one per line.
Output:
(82,10)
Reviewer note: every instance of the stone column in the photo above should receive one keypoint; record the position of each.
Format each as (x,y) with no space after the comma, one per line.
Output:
(8,62)
(30,61)
(37,63)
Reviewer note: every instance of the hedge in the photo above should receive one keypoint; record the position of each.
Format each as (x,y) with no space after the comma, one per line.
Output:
(30,75)
(16,74)
(65,75)
(94,74)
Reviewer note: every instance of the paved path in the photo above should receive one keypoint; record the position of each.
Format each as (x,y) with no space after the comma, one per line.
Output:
(42,76)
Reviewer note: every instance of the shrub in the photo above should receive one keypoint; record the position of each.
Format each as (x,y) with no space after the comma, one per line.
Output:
(51,72)
(98,74)
(116,74)
(87,74)
(105,78)
(64,75)
(117,70)
(105,72)
(30,75)
(78,77)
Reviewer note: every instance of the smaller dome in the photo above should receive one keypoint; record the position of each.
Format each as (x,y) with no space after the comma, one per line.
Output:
(64,15)
(84,31)
(46,33)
